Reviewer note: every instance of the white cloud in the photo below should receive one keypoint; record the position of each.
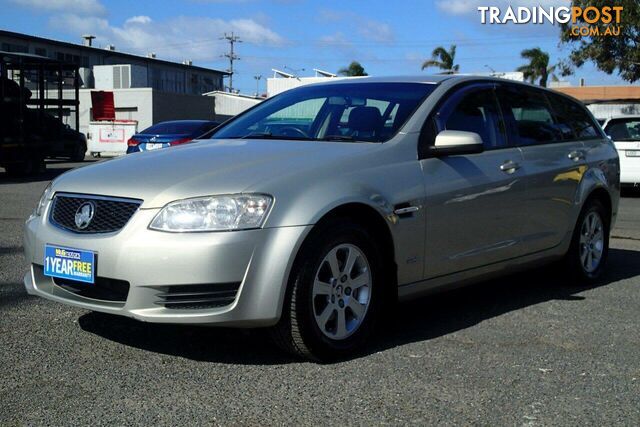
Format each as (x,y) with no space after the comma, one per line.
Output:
(78,7)
(335,39)
(368,29)
(375,31)
(178,38)
(141,19)
(466,7)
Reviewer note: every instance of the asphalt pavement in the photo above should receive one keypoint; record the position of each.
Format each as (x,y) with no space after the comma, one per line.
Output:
(524,350)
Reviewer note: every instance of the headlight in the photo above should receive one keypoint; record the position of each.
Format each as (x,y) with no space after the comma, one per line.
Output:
(46,195)
(215,213)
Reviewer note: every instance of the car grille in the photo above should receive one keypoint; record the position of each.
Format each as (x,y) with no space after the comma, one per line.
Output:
(103,289)
(198,296)
(110,214)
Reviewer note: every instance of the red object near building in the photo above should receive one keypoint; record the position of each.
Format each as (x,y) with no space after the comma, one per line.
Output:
(103,105)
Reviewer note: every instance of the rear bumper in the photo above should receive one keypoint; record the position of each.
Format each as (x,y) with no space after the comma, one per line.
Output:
(629,169)
(258,261)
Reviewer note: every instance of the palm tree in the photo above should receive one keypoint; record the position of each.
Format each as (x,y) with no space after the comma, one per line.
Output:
(355,69)
(538,67)
(443,59)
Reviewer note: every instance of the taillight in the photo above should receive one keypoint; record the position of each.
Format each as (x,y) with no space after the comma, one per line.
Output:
(179,141)
(132,142)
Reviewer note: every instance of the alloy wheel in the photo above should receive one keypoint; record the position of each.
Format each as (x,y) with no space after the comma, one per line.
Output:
(591,242)
(341,291)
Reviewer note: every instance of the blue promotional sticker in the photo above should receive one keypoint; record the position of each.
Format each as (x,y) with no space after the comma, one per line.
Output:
(67,263)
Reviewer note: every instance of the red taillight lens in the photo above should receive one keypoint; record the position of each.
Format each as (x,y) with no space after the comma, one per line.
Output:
(132,142)
(179,141)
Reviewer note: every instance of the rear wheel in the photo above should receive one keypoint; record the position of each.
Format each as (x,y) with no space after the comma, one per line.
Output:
(334,294)
(589,249)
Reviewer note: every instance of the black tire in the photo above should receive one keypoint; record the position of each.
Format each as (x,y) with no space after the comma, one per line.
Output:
(297,331)
(79,152)
(577,274)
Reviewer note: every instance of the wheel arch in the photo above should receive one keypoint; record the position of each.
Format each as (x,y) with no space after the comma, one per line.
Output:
(603,196)
(372,220)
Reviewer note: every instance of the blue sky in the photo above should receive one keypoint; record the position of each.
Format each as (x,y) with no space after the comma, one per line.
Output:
(387,37)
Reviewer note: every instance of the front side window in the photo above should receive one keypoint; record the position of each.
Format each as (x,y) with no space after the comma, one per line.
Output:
(474,110)
(624,129)
(531,115)
(358,112)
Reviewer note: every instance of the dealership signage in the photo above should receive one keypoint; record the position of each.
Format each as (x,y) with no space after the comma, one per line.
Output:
(583,21)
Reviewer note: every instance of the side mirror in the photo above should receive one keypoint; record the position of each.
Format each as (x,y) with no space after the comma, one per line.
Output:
(455,142)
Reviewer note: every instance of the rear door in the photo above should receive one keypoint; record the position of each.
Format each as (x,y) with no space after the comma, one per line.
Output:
(554,161)
(474,203)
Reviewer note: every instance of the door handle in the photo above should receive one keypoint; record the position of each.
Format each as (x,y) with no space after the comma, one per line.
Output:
(576,156)
(509,167)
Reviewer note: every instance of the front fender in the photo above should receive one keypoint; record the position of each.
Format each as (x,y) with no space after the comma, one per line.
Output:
(306,199)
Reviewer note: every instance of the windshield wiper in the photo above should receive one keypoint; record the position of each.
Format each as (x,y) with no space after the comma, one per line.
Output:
(257,135)
(337,138)
(269,135)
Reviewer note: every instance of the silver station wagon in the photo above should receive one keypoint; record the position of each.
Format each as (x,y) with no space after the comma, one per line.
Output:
(313,210)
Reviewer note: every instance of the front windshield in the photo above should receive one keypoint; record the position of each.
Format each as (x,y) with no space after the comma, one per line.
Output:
(624,129)
(369,112)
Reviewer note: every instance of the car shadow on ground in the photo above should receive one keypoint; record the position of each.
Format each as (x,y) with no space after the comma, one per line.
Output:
(419,320)
(54,168)
(630,192)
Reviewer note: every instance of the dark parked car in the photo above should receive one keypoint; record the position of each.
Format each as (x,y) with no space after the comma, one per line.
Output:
(167,134)
(63,141)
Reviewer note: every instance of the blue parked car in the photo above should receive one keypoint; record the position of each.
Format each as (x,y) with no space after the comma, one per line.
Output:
(168,134)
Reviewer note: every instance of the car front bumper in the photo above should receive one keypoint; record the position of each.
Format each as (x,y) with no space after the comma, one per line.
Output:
(151,261)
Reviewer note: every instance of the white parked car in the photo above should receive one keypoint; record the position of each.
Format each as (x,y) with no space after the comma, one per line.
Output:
(625,133)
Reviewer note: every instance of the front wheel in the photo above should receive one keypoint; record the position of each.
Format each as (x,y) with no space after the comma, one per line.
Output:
(334,294)
(589,249)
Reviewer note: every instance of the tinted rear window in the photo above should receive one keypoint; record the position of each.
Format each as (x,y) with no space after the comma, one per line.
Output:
(572,118)
(532,116)
(624,129)
(168,128)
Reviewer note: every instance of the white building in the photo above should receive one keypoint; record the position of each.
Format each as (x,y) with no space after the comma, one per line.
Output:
(227,105)
(146,88)
(282,81)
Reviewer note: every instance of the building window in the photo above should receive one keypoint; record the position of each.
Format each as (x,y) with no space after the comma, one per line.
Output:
(40,51)
(10,47)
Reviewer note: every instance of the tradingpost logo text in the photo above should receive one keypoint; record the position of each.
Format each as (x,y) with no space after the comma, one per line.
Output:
(587,22)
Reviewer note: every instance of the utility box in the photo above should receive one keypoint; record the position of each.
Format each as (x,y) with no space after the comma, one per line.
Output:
(125,76)
(109,138)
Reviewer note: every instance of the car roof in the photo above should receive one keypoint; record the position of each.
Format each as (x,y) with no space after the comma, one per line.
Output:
(428,79)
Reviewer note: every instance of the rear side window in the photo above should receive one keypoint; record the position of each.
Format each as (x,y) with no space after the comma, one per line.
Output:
(474,110)
(572,118)
(624,129)
(531,116)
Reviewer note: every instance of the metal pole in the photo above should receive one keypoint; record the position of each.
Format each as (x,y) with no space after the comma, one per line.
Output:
(232,39)
(258,77)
